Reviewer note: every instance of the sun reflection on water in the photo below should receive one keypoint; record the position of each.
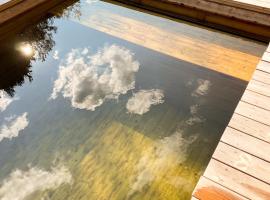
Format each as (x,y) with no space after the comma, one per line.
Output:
(26,49)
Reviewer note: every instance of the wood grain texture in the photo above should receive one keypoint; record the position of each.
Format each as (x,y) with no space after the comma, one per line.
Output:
(243,161)
(261,76)
(180,42)
(259,87)
(237,181)
(209,190)
(256,99)
(250,127)
(266,56)
(246,143)
(256,5)
(264,66)
(253,112)
(253,12)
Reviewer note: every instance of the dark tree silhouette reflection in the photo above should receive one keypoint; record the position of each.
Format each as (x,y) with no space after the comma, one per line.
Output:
(16,60)
(15,63)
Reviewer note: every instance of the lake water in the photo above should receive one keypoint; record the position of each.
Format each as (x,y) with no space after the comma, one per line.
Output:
(102,102)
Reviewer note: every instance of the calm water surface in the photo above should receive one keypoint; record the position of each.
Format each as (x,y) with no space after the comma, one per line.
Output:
(87,115)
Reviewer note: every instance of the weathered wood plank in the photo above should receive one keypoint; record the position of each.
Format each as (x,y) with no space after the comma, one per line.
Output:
(209,190)
(266,56)
(256,99)
(237,181)
(253,112)
(259,87)
(246,143)
(264,66)
(256,5)
(261,76)
(250,127)
(8,4)
(243,161)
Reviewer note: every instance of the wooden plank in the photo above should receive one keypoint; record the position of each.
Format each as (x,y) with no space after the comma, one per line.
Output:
(254,5)
(261,76)
(268,49)
(237,181)
(261,3)
(253,112)
(246,143)
(264,66)
(259,87)
(256,99)
(250,127)
(266,56)
(209,190)
(9,4)
(243,161)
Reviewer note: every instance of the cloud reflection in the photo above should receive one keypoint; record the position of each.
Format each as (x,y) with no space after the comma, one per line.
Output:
(203,88)
(141,101)
(195,118)
(5,100)
(91,1)
(56,55)
(13,126)
(20,184)
(156,161)
(88,80)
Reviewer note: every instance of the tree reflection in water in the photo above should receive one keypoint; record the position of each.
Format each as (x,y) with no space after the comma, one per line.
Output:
(17,53)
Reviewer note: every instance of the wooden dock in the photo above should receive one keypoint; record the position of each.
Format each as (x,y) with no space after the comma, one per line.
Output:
(240,167)
(15,15)
(249,18)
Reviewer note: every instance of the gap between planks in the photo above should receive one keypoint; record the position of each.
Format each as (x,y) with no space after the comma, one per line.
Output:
(244,142)
(266,56)
(250,127)
(238,169)
(264,66)
(256,99)
(262,76)
(237,181)
(243,161)
(253,112)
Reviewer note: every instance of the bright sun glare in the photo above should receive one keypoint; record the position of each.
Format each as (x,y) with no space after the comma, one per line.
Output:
(27,49)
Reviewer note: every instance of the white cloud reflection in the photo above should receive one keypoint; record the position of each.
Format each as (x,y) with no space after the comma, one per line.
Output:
(20,184)
(5,100)
(88,80)
(141,101)
(203,88)
(13,126)
(156,161)
(195,118)
(91,1)
(56,55)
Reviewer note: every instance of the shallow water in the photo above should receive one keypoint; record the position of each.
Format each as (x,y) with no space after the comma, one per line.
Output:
(87,114)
